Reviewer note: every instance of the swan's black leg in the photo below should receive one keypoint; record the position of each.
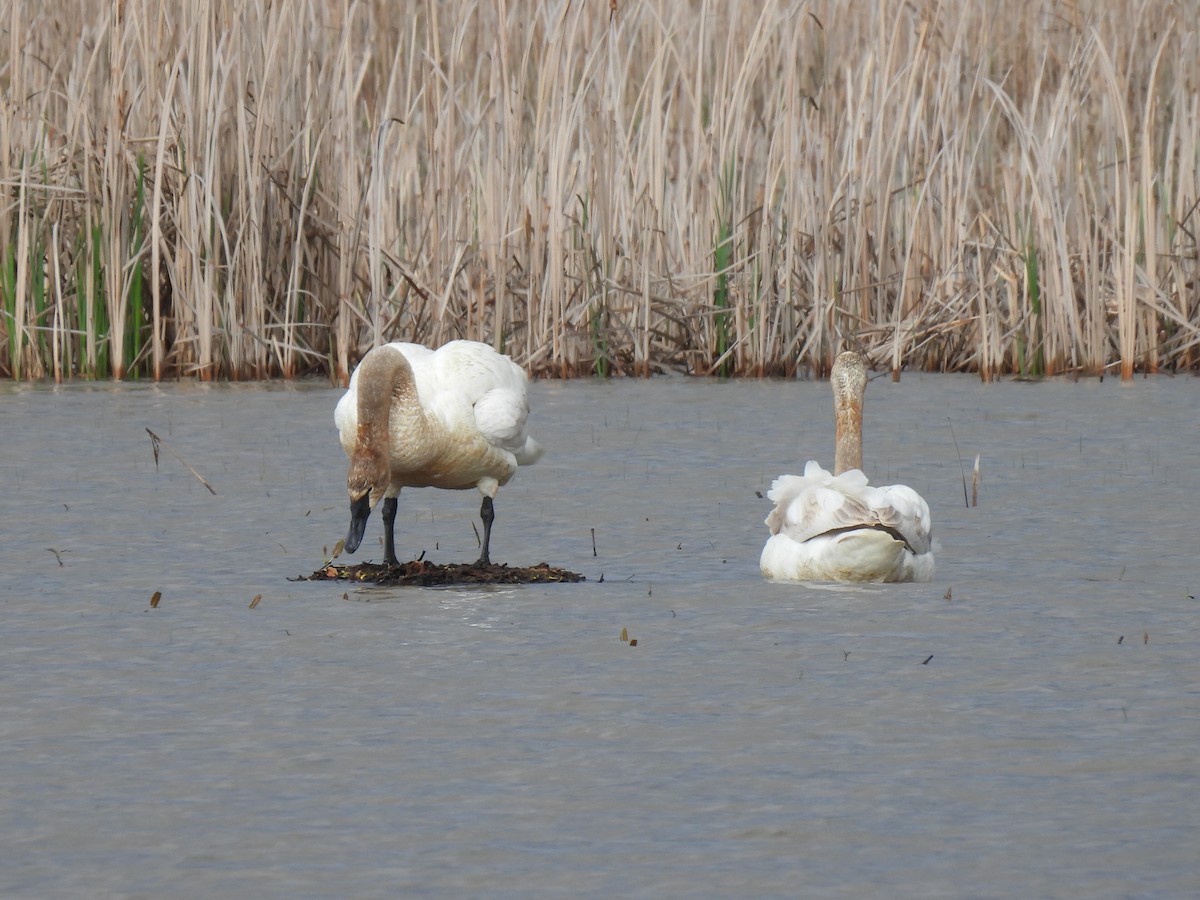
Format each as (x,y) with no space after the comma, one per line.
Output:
(487,512)
(389,532)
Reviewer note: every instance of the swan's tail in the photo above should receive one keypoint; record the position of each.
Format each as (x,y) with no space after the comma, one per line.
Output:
(530,453)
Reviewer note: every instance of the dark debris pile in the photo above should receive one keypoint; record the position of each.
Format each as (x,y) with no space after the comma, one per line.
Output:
(428,574)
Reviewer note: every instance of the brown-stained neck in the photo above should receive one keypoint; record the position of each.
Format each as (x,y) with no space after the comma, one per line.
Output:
(385,385)
(849,381)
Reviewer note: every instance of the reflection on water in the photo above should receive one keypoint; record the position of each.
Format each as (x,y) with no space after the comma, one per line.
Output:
(1026,724)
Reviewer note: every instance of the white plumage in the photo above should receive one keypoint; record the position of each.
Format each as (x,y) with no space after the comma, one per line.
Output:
(451,418)
(838,527)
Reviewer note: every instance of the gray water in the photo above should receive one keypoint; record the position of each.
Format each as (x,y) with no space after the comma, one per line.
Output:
(1026,725)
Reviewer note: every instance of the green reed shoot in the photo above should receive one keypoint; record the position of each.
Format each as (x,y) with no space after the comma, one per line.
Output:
(135,321)
(723,260)
(8,299)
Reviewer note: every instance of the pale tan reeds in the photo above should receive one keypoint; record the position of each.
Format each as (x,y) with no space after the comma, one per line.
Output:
(251,190)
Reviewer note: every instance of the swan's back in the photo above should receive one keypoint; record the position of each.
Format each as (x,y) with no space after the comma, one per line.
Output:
(818,501)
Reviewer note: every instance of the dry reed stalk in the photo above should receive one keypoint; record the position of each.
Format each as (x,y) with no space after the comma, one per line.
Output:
(1126,213)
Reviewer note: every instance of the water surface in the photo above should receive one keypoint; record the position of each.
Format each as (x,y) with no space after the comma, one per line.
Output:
(1026,725)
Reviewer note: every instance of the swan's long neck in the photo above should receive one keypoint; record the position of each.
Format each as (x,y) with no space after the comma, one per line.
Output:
(849,380)
(387,403)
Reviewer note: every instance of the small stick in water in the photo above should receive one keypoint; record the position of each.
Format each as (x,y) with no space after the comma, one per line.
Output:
(975,479)
(156,441)
(594,553)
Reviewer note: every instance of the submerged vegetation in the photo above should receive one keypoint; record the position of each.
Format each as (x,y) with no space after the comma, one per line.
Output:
(245,190)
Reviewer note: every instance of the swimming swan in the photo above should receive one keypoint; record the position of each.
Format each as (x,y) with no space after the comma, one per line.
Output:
(449,418)
(837,527)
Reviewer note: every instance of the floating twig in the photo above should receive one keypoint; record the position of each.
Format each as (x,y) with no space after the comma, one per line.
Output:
(156,441)
(975,479)
(58,555)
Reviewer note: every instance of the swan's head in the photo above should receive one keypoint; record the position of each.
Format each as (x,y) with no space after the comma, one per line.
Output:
(366,483)
(849,378)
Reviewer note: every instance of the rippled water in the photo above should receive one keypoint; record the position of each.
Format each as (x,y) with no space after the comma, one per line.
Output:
(1026,725)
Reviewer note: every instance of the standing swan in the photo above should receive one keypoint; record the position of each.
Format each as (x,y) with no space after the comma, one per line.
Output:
(449,418)
(837,527)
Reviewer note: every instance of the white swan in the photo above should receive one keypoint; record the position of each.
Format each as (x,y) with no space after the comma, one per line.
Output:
(449,418)
(837,527)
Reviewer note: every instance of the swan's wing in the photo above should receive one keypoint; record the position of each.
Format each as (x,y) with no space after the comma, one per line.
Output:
(818,510)
(466,370)
(818,502)
(469,382)
(501,415)
(900,507)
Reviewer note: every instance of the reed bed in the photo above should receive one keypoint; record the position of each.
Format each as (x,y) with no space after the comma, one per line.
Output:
(246,189)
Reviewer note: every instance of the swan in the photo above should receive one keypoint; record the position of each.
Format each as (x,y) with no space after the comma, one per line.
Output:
(837,527)
(415,417)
